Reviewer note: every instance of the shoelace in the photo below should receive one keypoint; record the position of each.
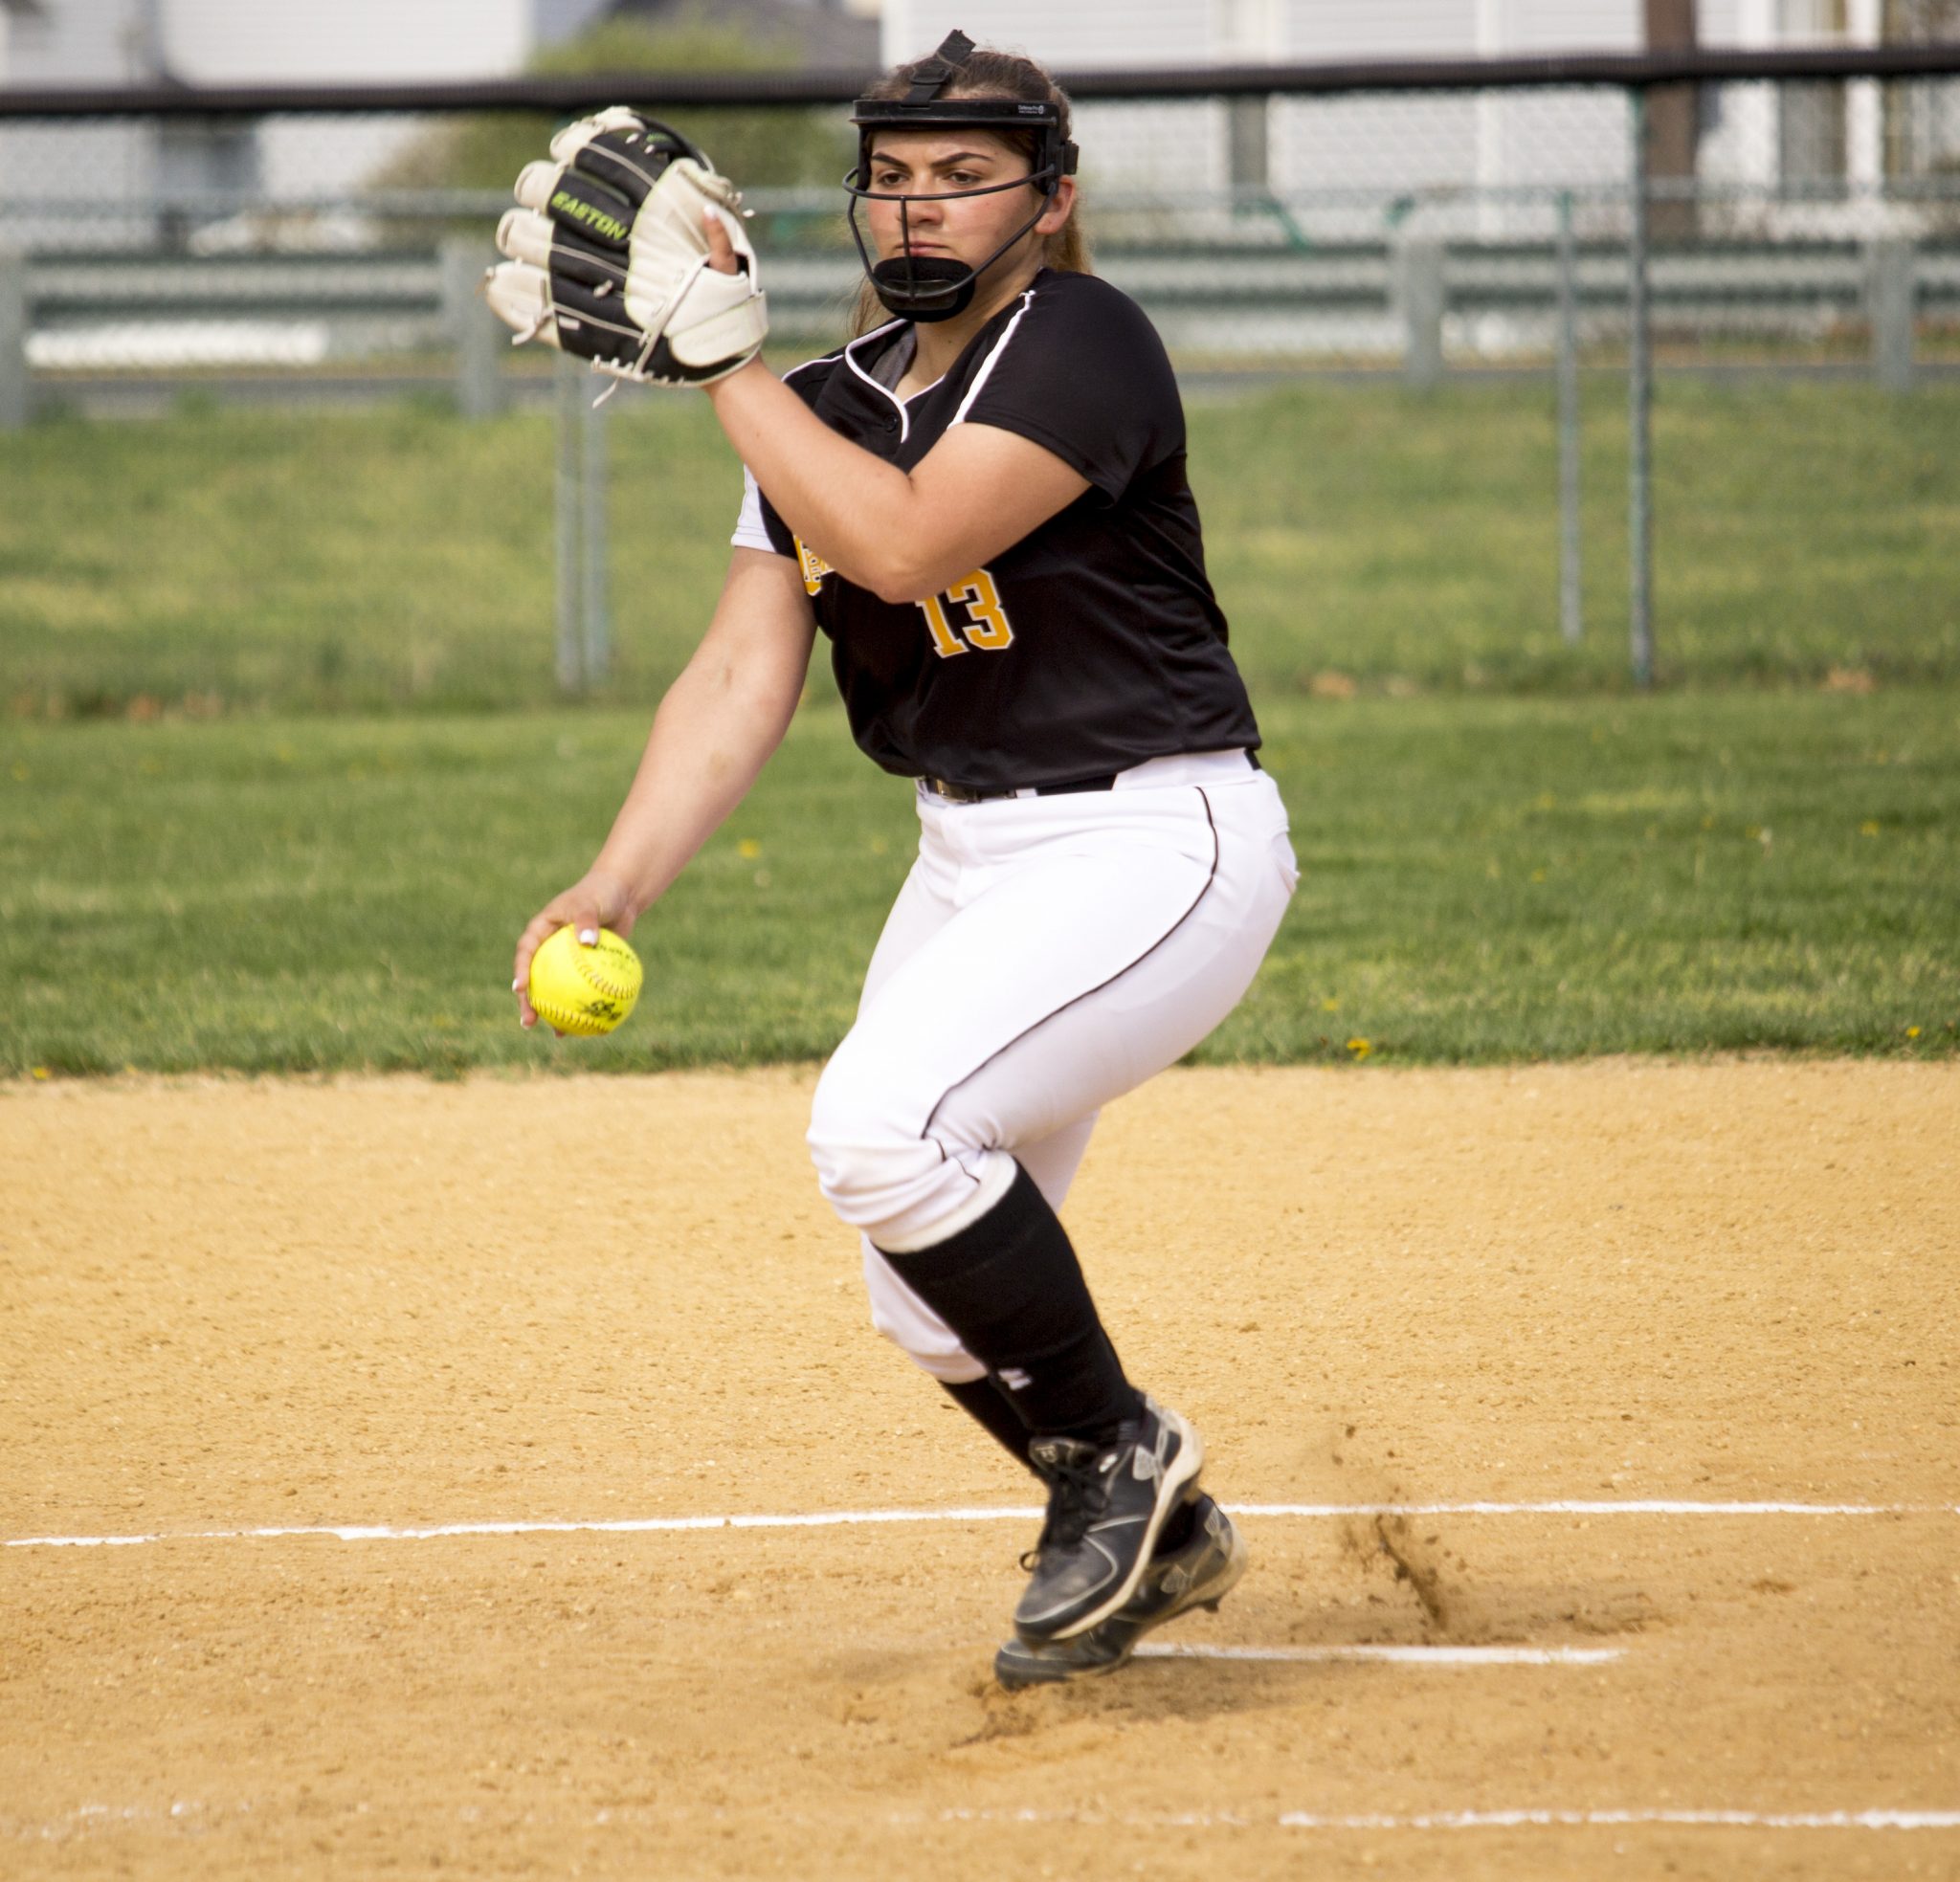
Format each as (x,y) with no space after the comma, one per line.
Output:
(1077,1494)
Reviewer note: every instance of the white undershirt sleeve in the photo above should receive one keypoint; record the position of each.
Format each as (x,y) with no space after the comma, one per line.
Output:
(749,532)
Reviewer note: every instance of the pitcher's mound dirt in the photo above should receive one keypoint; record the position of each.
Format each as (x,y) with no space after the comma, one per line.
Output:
(253,1305)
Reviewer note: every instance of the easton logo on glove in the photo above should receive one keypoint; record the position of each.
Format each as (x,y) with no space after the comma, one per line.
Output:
(564,204)
(608,255)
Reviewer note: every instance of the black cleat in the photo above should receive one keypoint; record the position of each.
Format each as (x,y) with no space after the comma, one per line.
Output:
(1199,1574)
(1107,1504)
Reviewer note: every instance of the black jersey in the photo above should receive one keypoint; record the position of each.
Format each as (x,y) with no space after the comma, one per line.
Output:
(1092,644)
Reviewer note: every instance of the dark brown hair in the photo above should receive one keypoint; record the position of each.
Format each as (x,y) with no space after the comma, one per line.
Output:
(990,74)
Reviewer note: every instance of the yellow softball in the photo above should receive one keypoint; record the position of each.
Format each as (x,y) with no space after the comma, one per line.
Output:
(583,989)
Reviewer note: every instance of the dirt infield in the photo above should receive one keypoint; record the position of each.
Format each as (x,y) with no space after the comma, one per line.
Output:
(237,1306)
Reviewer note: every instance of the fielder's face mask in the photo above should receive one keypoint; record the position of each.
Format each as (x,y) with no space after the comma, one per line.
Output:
(934,287)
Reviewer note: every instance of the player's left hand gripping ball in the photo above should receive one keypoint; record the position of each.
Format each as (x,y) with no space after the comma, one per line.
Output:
(584,991)
(608,255)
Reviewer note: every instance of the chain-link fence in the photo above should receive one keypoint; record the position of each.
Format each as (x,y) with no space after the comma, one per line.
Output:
(1790,220)
(1723,212)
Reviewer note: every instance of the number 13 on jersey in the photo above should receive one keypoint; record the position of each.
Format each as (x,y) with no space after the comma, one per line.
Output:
(980,624)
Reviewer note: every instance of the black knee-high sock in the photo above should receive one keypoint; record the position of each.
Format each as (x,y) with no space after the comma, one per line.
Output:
(985,1401)
(1011,1287)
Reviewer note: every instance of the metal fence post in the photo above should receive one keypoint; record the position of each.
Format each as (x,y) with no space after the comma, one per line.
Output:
(475,332)
(1640,407)
(1889,291)
(569,386)
(1419,285)
(597,637)
(1570,620)
(15,388)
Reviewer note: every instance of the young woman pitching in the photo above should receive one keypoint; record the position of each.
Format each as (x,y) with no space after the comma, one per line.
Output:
(981,502)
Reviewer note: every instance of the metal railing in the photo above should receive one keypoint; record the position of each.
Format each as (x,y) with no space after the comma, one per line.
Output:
(1424,299)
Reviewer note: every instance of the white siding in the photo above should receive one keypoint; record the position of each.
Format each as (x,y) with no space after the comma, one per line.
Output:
(1436,143)
(1554,138)
(1392,144)
(1386,29)
(1570,25)
(91,161)
(1090,33)
(1168,146)
(216,42)
(1381,147)
(243,42)
(76,42)
(1719,22)
(1374,146)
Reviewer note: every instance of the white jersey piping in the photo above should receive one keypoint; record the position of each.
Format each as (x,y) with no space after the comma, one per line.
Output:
(980,378)
(851,361)
(750,520)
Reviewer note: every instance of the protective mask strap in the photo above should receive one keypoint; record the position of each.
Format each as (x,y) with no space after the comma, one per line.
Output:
(933,74)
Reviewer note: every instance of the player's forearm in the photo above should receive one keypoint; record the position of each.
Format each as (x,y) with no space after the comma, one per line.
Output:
(711,737)
(861,514)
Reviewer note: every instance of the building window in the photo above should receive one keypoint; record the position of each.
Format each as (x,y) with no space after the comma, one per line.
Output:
(1922,116)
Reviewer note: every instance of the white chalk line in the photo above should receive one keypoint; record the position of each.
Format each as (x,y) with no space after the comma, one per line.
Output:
(1474,1820)
(201,1818)
(840,1519)
(1418,1656)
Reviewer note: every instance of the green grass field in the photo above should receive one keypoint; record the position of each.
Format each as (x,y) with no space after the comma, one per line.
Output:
(1486,879)
(282,775)
(396,559)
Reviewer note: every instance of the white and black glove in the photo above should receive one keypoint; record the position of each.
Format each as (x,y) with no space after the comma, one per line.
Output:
(609,256)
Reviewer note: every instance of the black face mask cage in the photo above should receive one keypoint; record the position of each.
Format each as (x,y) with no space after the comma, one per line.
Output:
(929,288)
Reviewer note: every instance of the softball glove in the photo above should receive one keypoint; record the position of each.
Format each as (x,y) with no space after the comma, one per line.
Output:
(609,258)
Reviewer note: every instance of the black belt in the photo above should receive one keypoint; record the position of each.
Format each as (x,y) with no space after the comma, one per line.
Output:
(966,794)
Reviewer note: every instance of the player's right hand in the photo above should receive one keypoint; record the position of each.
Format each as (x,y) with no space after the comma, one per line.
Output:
(596,901)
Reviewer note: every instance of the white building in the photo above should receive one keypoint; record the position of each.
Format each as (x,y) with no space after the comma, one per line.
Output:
(248,42)
(1314,145)
(1434,146)
(232,42)
(1460,163)
(214,42)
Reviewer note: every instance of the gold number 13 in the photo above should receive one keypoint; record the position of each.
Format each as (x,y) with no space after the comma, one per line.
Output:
(986,626)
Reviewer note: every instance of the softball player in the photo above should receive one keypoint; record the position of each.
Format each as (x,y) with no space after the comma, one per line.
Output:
(981,502)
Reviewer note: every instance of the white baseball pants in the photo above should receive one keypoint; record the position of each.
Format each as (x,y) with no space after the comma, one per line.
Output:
(1046,955)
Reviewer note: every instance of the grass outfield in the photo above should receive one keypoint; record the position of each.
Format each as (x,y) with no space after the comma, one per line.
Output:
(1486,879)
(396,558)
